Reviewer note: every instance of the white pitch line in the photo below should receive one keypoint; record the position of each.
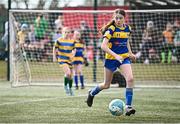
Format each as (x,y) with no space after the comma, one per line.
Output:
(48,99)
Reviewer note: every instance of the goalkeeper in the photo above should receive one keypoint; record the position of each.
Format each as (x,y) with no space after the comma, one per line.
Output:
(118,53)
(64,51)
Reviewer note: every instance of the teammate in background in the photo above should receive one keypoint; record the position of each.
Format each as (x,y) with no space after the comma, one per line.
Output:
(59,22)
(118,54)
(78,60)
(64,51)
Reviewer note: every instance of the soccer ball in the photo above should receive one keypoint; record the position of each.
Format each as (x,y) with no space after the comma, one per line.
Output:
(117,107)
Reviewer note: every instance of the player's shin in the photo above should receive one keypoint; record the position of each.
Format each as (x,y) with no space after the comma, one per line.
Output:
(95,90)
(76,81)
(129,96)
(82,81)
(66,88)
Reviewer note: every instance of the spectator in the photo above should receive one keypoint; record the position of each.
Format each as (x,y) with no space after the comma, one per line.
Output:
(33,45)
(5,41)
(176,24)
(168,35)
(22,35)
(85,32)
(150,42)
(177,39)
(59,22)
(5,37)
(57,34)
(31,35)
(40,27)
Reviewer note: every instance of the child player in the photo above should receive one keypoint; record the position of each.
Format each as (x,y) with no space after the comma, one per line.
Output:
(64,51)
(118,54)
(78,60)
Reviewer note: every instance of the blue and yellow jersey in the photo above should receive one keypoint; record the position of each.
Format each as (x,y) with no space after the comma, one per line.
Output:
(79,56)
(118,38)
(65,48)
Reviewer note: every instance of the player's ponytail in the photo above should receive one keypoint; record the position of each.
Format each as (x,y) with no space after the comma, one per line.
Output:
(105,27)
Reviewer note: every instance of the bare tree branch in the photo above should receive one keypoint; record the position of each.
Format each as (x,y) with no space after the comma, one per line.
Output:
(54,4)
(41,4)
(26,3)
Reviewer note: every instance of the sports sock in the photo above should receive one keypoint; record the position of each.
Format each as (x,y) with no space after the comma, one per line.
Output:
(129,96)
(95,91)
(82,80)
(66,80)
(162,57)
(169,56)
(76,80)
(70,82)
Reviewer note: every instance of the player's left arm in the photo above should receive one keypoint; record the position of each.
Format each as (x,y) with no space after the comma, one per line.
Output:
(55,49)
(73,53)
(131,55)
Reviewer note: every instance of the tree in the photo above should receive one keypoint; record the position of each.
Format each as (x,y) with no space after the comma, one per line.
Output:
(54,4)
(16,2)
(41,4)
(26,2)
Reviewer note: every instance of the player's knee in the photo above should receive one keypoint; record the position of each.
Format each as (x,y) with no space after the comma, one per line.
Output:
(79,72)
(68,75)
(76,73)
(106,86)
(130,81)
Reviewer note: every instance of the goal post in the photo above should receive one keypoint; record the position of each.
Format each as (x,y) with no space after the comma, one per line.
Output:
(20,71)
(157,62)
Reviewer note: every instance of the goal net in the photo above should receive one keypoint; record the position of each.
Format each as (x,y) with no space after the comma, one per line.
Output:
(155,40)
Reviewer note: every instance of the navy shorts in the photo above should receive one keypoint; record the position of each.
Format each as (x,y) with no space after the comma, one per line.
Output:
(114,64)
(77,62)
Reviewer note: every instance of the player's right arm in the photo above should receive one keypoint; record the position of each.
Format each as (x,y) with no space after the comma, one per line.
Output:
(54,54)
(55,48)
(104,46)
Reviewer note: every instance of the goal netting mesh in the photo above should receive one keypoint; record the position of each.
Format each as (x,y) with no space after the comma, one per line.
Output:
(155,40)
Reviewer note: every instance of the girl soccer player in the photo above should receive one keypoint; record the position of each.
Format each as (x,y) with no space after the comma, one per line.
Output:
(118,54)
(64,51)
(78,60)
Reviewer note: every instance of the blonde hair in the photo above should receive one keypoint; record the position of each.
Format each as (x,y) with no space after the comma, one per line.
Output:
(111,22)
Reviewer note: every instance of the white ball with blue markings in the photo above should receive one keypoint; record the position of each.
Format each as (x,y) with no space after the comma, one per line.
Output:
(117,107)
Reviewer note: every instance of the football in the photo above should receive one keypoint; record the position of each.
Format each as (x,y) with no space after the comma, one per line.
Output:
(117,107)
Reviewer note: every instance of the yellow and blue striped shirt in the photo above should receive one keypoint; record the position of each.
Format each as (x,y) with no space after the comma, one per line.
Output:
(118,38)
(65,47)
(79,56)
